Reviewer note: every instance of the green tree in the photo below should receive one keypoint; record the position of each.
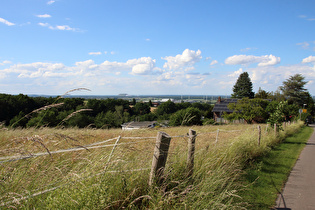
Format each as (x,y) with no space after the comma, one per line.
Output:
(277,95)
(80,120)
(148,117)
(166,108)
(294,91)
(142,108)
(100,120)
(262,94)
(189,116)
(283,112)
(44,118)
(243,87)
(248,109)
(287,112)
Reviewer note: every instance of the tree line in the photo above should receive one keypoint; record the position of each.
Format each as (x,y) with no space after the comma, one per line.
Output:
(272,107)
(24,111)
(276,107)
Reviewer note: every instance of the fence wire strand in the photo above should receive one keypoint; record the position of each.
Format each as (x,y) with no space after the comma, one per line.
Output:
(94,146)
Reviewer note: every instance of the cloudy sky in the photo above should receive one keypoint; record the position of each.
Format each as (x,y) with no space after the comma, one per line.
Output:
(152,47)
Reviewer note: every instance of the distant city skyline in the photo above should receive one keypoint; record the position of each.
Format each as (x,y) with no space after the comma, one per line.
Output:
(162,47)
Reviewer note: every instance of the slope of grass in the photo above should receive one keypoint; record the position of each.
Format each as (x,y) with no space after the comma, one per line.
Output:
(267,174)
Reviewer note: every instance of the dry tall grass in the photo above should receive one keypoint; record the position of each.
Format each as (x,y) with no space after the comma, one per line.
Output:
(86,178)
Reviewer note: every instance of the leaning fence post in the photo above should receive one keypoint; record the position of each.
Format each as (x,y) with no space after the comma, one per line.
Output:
(259,134)
(191,152)
(216,140)
(159,157)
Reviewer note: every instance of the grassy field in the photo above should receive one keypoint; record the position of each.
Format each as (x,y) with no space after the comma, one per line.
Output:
(111,177)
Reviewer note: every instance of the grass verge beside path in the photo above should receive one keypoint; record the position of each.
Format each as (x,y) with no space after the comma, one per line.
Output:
(269,173)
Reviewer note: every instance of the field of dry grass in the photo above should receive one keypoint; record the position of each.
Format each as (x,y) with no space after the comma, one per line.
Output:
(106,173)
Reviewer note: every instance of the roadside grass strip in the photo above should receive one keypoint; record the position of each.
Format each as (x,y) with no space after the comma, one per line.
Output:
(267,175)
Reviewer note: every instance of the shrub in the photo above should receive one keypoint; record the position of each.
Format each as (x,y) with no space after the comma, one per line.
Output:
(189,116)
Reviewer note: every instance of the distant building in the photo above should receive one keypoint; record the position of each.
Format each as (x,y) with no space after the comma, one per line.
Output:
(221,106)
(123,94)
(138,125)
(167,99)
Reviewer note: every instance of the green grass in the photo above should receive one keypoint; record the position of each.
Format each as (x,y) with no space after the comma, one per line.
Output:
(267,175)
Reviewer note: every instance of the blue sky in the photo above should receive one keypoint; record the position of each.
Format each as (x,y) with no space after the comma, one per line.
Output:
(143,47)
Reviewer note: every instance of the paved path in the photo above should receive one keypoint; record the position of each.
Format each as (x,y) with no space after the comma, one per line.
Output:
(299,191)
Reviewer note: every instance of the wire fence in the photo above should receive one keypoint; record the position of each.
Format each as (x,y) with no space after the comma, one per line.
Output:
(94,146)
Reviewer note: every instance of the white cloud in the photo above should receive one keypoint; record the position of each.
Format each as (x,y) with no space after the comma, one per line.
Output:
(44,16)
(4,63)
(43,24)
(247,49)
(274,76)
(141,76)
(143,66)
(6,22)
(58,27)
(95,53)
(50,2)
(241,59)
(65,28)
(195,79)
(304,45)
(213,62)
(265,60)
(236,73)
(270,60)
(33,70)
(181,61)
(86,63)
(147,39)
(309,59)
(113,75)
(306,18)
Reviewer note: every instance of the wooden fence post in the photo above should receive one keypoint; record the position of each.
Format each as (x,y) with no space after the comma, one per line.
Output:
(216,140)
(159,157)
(275,128)
(259,134)
(191,152)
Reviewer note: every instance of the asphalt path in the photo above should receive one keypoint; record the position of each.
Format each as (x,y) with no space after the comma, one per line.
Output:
(299,191)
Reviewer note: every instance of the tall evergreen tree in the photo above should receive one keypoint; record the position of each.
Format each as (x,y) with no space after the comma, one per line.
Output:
(243,87)
(294,91)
